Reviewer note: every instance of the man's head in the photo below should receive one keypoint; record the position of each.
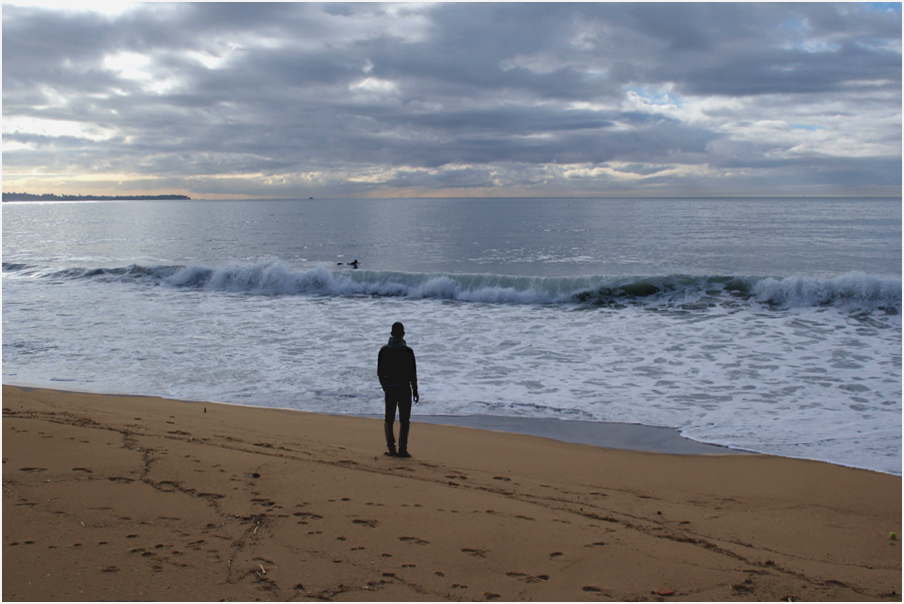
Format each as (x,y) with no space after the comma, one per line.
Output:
(398,330)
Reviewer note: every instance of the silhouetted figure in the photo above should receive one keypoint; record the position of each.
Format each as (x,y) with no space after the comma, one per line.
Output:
(353,264)
(397,371)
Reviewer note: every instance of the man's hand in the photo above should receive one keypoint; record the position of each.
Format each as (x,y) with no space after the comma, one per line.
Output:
(416,398)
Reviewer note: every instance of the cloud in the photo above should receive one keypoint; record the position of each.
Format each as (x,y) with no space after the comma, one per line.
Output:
(286,99)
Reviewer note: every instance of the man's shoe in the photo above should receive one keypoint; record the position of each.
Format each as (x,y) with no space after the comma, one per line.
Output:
(404,454)
(391,453)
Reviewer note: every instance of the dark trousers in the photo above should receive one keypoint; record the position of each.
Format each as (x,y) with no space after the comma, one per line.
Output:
(397,397)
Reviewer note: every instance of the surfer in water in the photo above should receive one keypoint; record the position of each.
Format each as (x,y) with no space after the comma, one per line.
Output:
(353,264)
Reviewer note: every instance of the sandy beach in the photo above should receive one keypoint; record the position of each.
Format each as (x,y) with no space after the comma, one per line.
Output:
(140,498)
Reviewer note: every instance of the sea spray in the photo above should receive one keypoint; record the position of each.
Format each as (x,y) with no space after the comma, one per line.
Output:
(854,290)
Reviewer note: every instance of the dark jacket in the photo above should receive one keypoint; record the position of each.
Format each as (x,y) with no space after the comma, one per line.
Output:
(396,365)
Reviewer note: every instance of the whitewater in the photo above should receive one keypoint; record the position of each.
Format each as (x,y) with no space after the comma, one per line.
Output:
(763,325)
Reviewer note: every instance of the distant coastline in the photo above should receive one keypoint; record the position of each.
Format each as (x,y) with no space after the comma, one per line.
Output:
(54,197)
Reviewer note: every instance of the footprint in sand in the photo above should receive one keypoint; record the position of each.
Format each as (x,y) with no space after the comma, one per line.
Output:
(368,523)
(414,540)
(477,553)
(528,578)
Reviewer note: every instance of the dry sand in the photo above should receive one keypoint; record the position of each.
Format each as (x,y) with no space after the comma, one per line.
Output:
(131,498)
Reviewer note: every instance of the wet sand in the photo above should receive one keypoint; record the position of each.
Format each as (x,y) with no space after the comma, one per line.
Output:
(140,498)
(632,437)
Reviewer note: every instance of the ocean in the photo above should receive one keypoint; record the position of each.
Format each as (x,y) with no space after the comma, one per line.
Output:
(761,324)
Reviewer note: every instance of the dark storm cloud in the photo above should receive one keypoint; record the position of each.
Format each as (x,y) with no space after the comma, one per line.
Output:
(796,71)
(285,99)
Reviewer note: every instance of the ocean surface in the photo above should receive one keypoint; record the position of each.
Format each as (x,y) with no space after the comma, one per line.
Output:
(770,325)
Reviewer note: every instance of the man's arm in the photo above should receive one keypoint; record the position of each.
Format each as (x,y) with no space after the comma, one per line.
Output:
(414,377)
(380,371)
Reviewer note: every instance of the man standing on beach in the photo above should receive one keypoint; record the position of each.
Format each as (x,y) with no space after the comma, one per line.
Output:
(397,371)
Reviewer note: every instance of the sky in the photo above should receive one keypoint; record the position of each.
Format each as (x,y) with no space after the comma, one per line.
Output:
(297,100)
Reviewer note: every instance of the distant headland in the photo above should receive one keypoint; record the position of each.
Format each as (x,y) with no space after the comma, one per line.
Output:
(54,197)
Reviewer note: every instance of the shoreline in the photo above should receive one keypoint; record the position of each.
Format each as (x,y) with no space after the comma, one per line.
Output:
(608,435)
(144,498)
(614,435)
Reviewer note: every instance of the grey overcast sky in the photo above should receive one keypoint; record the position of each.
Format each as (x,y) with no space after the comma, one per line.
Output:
(225,100)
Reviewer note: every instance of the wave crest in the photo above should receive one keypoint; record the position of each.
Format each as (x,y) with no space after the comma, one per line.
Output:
(852,291)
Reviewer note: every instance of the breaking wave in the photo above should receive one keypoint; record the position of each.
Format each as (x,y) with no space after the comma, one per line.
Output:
(852,291)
